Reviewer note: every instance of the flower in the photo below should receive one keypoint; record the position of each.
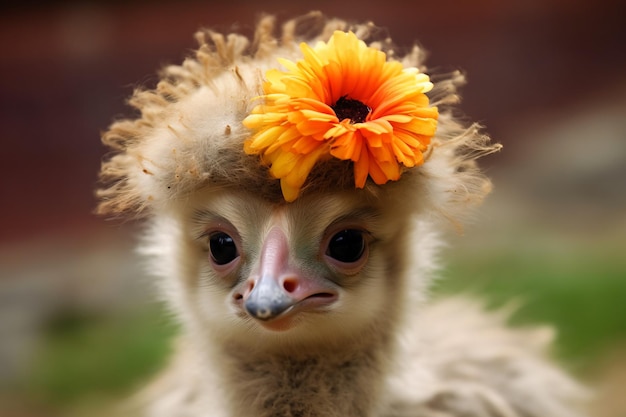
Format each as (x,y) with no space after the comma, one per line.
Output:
(345,100)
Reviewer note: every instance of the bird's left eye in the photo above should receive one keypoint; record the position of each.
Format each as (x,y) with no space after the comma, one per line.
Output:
(223,248)
(347,246)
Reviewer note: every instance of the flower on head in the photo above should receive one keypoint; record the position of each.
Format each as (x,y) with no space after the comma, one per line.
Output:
(345,100)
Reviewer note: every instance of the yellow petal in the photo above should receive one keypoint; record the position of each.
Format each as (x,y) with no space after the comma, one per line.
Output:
(265,138)
(303,167)
(292,182)
(284,163)
(289,193)
(288,135)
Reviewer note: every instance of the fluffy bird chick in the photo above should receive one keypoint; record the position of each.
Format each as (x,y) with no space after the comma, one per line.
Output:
(303,295)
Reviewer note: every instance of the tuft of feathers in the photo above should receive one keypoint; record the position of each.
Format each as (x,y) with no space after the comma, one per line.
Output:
(189,134)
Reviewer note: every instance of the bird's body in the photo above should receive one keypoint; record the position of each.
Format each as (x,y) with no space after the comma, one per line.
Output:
(308,298)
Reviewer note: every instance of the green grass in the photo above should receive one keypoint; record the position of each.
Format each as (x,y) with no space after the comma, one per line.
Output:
(582,294)
(98,357)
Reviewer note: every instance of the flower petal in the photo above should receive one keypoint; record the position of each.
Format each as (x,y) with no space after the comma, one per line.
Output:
(347,146)
(361,168)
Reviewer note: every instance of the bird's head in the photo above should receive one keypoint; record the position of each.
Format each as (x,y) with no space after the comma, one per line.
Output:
(285,178)
(325,267)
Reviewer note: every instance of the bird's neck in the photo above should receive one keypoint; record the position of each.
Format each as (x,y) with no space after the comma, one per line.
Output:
(343,380)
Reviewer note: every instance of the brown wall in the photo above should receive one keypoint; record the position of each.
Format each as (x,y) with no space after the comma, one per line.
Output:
(66,69)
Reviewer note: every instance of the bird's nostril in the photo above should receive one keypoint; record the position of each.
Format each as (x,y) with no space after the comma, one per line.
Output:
(290,285)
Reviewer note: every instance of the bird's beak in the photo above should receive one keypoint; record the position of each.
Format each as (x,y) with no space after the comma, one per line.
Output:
(267,299)
(276,287)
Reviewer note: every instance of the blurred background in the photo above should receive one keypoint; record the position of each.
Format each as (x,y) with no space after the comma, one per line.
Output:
(546,77)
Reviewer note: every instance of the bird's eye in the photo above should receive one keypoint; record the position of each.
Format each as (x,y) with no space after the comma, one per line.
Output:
(223,248)
(347,246)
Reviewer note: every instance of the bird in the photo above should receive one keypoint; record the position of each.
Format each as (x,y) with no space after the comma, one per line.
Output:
(295,185)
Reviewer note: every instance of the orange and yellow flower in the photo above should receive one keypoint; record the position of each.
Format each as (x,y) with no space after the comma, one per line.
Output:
(343,99)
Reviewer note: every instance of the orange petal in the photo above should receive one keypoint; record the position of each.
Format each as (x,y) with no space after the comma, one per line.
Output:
(375,127)
(312,104)
(314,128)
(305,145)
(381,172)
(347,146)
(422,126)
(403,153)
(376,173)
(361,168)
(334,82)
(382,153)
(337,130)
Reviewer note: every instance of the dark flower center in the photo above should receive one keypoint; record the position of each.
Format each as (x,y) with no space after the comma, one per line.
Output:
(347,108)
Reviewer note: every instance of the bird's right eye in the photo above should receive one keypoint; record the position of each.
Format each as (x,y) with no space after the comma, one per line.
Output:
(222,247)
